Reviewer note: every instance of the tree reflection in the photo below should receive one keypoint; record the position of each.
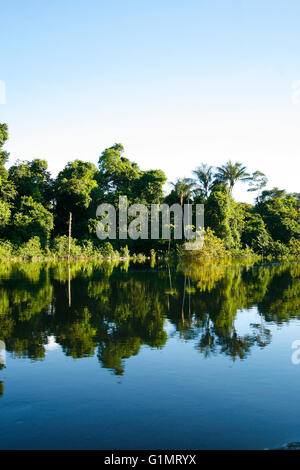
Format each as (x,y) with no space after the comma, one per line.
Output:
(112,310)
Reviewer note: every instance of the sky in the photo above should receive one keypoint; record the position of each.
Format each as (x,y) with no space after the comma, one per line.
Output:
(178,83)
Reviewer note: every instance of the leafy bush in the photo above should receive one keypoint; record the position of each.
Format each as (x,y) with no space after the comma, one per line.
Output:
(87,249)
(213,247)
(115,255)
(106,250)
(6,249)
(278,250)
(124,252)
(61,246)
(5,213)
(294,247)
(31,249)
(33,220)
(262,243)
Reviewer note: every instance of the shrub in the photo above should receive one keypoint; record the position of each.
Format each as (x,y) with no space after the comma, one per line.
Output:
(31,249)
(262,243)
(88,249)
(294,247)
(213,247)
(33,220)
(278,250)
(106,250)
(4,213)
(115,255)
(61,246)
(6,249)
(124,252)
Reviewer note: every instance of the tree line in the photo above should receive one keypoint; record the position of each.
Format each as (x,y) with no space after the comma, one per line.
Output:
(35,208)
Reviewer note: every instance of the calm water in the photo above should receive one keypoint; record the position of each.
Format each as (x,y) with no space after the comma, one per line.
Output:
(108,356)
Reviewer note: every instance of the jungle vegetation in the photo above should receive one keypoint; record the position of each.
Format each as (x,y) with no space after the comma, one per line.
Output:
(35,208)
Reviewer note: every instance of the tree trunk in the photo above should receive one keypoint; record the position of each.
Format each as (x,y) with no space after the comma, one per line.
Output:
(70,234)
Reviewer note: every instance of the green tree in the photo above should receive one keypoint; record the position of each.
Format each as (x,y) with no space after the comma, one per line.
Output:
(119,176)
(148,188)
(217,214)
(7,189)
(5,213)
(183,187)
(117,173)
(254,232)
(225,217)
(33,180)
(231,173)
(73,193)
(32,220)
(205,177)
(281,214)
(257,181)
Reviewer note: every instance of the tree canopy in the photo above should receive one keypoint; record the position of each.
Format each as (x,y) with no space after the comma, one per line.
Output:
(34,206)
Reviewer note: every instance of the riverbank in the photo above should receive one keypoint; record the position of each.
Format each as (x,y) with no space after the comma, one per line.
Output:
(61,250)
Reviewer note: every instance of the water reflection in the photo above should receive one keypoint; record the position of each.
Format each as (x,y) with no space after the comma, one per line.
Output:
(112,309)
(2,355)
(2,364)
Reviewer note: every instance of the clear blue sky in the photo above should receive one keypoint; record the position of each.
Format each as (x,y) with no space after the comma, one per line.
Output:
(178,83)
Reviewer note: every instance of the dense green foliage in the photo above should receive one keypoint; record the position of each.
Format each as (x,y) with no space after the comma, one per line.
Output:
(35,208)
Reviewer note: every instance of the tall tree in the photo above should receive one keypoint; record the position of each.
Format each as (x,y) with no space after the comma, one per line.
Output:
(281,214)
(148,188)
(117,173)
(205,177)
(120,176)
(3,138)
(183,188)
(33,180)
(231,173)
(32,220)
(258,181)
(73,187)
(7,189)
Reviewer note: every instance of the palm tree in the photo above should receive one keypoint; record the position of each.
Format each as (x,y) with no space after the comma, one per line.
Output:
(205,176)
(257,181)
(183,188)
(231,173)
